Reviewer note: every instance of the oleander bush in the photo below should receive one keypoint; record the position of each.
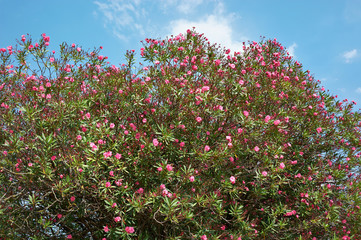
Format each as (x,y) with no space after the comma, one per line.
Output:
(195,142)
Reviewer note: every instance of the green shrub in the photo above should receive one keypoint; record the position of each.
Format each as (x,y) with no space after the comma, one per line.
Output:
(196,143)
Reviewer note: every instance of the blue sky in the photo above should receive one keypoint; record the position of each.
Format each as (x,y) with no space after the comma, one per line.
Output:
(324,35)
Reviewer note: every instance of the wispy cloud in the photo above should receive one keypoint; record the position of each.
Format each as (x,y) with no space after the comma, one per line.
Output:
(187,6)
(291,49)
(122,16)
(352,11)
(130,19)
(217,27)
(182,6)
(358,90)
(350,55)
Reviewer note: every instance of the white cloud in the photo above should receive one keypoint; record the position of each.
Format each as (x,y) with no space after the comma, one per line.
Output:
(182,6)
(125,19)
(121,16)
(217,27)
(348,56)
(358,90)
(187,6)
(291,49)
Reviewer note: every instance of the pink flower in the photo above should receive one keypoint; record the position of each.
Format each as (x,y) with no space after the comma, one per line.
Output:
(59,216)
(245,113)
(45,38)
(72,199)
(94,147)
(169,167)
(232,179)
(80,170)
(319,130)
(205,88)
(107,154)
(155,142)
(181,144)
(106,229)
(293,212)
(69,236)
(199,119)
(256,148)
(111,173)
(264,173)
(277,122)
(78,137)
(159,169)
(129,229)
(140,190)
(191,178)
(206,148)
(204,237)
(112,125)
(267,118)
(282,165)
(118,183)
(118,156)
(107,184)
(117,219)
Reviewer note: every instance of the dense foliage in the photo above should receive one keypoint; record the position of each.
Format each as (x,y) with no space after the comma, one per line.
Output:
(196,143)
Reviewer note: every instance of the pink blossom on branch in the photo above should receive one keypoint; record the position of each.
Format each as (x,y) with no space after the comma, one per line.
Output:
(232,179)
(155,142)
(319,130)
(129,229)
